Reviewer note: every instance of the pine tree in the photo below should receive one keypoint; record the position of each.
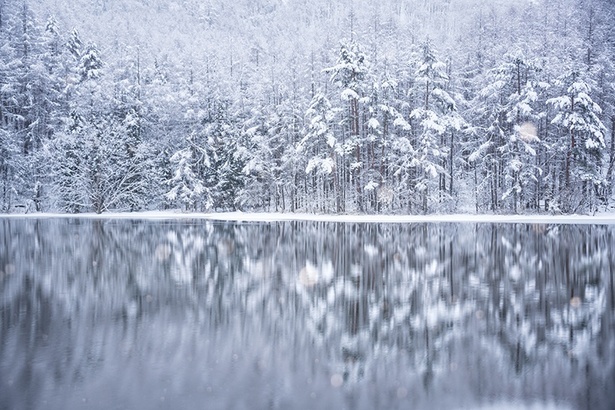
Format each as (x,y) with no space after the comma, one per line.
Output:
(226,177)
(582,134)
(349,74)
(68,182)
(28,103)
(433,123)
(507,111)
(75,45)
(187,189)
(385,102)
(53,38)
(321,151)
(255,151)
(90,63)
(518,148)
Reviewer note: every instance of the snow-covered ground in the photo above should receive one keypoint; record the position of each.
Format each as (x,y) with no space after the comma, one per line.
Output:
(600,219)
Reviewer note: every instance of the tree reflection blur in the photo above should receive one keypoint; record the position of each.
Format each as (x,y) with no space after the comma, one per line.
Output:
(304,314)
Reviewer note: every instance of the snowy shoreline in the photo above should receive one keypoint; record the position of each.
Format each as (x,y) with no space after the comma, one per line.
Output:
(600,219)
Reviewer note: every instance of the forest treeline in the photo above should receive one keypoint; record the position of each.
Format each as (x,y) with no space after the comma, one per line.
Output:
(392,106)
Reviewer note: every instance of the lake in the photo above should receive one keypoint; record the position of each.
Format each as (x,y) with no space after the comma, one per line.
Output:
(121,314)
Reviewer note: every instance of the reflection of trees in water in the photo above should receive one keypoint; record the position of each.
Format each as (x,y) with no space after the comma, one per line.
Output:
(525,294)
(543,293)
(409,298)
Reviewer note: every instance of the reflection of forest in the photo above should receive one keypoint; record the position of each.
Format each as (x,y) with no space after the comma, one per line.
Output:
(508,310)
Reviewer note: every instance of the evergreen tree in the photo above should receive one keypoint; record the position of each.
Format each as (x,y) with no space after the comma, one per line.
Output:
(582,134)
(90,63)
(75,45)
(255,151)
(186,188)
(227,179)
(385,102)
(434,124)
(506,110)
(321,150)
(349,74)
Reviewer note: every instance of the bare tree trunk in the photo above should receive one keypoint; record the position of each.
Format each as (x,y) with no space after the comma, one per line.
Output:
(450,164)
(475,188)
(609,172)
(354,131)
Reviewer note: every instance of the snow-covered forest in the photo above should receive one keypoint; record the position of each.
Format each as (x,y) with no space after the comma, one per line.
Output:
(375,106)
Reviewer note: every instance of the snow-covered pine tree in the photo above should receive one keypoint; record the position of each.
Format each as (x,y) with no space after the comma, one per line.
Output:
(223,177)
(52,36)
(434,123)
(582,144)
(321,152)
(506,117)
(349,74)
(255,150)
(90,63)
(518,148)
(10,124)
(67,166)
(383,110)
(187,189)
(75,45)
(136,155)
(286,125)
(28,96)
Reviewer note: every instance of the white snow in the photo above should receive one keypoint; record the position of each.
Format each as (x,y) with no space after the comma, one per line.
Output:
(598,219)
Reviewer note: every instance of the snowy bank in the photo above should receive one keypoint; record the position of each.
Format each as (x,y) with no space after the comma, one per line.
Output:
(600,219)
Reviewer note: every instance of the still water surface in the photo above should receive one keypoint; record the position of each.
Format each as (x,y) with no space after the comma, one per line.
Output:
(103,314)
